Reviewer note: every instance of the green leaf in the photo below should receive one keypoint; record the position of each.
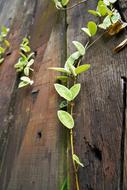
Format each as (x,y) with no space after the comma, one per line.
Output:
(102,9)
(106,23)
(75,55)
(1,60)
(71,68)
(59,69)
(2,50)
(95,13)
(82,68)
(27,80)
(26,49)
(6,42)
(86,30)
(65,2)
(71,60)
(106,2)
(115,17)
(62,78)
(22,84)
(92,27)
(31,62)
(31,55)
(66,119)
(79,47)
(112,1)
(58,4)
(75,90)
(64,185)
(26,71)
(77,160)
(63,91)
(5,31)
(25,41)
(63,104)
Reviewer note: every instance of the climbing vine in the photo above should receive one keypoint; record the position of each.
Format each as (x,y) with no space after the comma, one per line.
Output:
(4,43)
(67,86)
(24,64)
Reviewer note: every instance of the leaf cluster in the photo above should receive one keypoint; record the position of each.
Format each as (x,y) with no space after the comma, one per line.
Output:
(61,3)
(110,19)
(4,43)
(70,71)
(24,63)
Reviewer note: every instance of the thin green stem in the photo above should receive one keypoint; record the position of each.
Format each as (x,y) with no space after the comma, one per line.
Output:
(73,152)
(95,40)
(75,5)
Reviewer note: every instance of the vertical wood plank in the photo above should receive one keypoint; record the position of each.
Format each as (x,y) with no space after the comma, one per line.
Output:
(123,11)
(99,109)
(34,152)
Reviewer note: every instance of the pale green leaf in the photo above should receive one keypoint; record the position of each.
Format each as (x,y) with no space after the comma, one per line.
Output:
(79,47)
(82,68)
(65,2)
(27,80)
(30,62)
(112,1)
(26,71)
(71,60)
(59,69)
(86,30)
(107,21)
(58,4)
(71,68)
(93,12)
(75,55)
(106,2)
(63,91)
(26,49)
(75,90)
(63,104)
(77,160)
(115,17)
(22,84)
(66,119)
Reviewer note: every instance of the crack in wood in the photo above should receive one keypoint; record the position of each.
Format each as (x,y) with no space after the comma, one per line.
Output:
(124,88)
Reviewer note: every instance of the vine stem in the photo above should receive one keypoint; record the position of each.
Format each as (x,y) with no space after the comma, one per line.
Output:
(96,40)
(73,6)
(72,152)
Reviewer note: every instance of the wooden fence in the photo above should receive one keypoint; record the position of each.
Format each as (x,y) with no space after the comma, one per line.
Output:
(33,154)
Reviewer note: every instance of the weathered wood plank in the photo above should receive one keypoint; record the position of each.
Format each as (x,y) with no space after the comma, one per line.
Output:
(99,112)
(123,10)
(33,138)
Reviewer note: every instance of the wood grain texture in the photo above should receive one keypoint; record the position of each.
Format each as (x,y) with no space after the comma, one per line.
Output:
(32,152)
(99,109)
(32,143)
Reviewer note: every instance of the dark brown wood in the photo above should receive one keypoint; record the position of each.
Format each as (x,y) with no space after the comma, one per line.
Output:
(33,153)
(99,109)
